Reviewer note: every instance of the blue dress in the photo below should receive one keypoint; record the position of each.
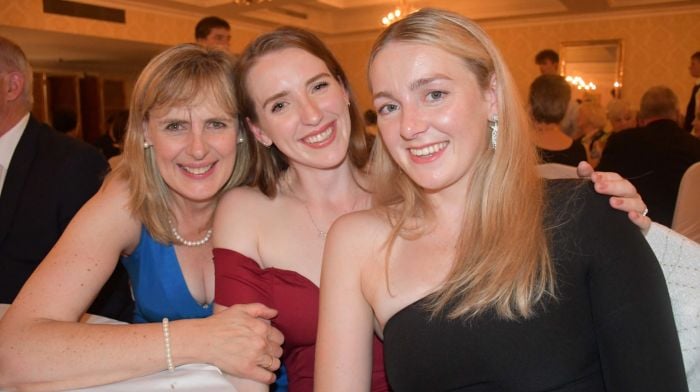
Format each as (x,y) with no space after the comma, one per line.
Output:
(160,289)
(158,285)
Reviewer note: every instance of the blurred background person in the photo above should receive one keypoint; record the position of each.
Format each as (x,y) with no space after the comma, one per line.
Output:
(591,121)
(111,142)
(548,62)
(694,101)
(621,115)
(548,101)
(213,32)
(45,177)
(655,155)
(65,121)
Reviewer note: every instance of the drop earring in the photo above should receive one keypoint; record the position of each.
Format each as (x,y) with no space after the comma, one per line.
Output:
(493,126)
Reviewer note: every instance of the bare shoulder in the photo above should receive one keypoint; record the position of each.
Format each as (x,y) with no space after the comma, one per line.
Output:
(242,198)
(107,214)
(238,219)
(242,206)
(361,232)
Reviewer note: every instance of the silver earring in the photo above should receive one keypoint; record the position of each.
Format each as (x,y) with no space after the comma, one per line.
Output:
(146,145)
(240,140)
(493,126)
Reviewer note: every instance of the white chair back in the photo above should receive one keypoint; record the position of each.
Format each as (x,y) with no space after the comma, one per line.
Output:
(686,217)
(553,171)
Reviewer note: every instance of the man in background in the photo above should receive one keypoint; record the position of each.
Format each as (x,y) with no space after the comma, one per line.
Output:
(213,32)
(694,102)
(45,177)
(654,156)
(548,61)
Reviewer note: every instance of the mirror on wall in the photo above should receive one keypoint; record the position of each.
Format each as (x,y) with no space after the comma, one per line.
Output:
(594,68)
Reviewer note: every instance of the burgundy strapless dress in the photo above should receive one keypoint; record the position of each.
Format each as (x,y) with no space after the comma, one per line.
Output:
(240,280)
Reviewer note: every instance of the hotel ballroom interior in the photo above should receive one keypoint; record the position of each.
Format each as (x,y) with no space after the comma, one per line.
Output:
(87,55)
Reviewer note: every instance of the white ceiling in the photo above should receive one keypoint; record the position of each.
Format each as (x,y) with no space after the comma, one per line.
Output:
(328,18)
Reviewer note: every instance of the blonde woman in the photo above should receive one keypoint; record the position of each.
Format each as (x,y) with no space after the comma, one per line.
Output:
(155,213)
(477,275)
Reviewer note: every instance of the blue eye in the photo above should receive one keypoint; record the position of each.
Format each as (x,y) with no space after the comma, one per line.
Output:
(217,124)
(436,95)
(388,108)
(175,126)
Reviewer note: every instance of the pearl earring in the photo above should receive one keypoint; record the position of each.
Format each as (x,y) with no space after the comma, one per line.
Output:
(146,145)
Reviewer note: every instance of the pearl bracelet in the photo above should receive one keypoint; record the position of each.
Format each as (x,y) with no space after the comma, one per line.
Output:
(168,353)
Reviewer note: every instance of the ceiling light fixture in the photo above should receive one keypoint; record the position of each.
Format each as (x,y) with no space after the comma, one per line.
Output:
(401,11)
(249,2)
(581,84)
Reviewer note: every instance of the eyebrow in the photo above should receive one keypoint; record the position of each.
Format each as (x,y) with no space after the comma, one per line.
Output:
(286,92)
(415,85)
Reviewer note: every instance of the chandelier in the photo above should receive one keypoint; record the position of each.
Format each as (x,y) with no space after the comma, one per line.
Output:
(581,84)
(249,2)
(401,11)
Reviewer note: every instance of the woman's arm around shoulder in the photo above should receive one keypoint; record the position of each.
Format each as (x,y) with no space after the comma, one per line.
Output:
(345,330)
(630,304)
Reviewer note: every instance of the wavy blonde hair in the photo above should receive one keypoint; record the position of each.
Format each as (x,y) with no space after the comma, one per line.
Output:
(178,76)
(502,261)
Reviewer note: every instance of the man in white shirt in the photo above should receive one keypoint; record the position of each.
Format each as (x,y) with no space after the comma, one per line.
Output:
(45,178)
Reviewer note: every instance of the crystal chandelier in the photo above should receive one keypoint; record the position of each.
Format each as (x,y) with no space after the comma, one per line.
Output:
(400,12)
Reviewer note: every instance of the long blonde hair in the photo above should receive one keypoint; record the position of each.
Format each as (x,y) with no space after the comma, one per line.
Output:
(178,75)
(502,261)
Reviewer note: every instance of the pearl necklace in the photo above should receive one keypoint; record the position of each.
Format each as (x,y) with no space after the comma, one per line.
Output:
(191,244)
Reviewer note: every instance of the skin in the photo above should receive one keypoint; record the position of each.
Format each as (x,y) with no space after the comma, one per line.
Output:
(12,107)
(421,94)
(547,67)
(694,67)
(58,352)
(219,37)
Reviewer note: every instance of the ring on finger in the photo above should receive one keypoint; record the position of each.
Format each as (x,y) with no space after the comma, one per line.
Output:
(645,212)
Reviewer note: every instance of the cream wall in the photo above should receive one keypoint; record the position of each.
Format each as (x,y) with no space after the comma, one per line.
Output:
(657,46)
(656,49)
(142,24)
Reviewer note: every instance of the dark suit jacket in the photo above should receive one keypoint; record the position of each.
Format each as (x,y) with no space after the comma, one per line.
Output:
(653,158)
(49,178)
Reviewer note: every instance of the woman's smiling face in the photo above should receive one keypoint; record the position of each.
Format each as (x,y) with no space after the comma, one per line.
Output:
(432,113)
(301,107)
(194,146)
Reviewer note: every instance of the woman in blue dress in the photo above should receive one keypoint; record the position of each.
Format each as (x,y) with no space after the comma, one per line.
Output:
(155,213)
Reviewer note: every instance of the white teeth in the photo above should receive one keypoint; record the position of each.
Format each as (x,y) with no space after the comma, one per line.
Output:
(429,150)
(197,170)
(321,137)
